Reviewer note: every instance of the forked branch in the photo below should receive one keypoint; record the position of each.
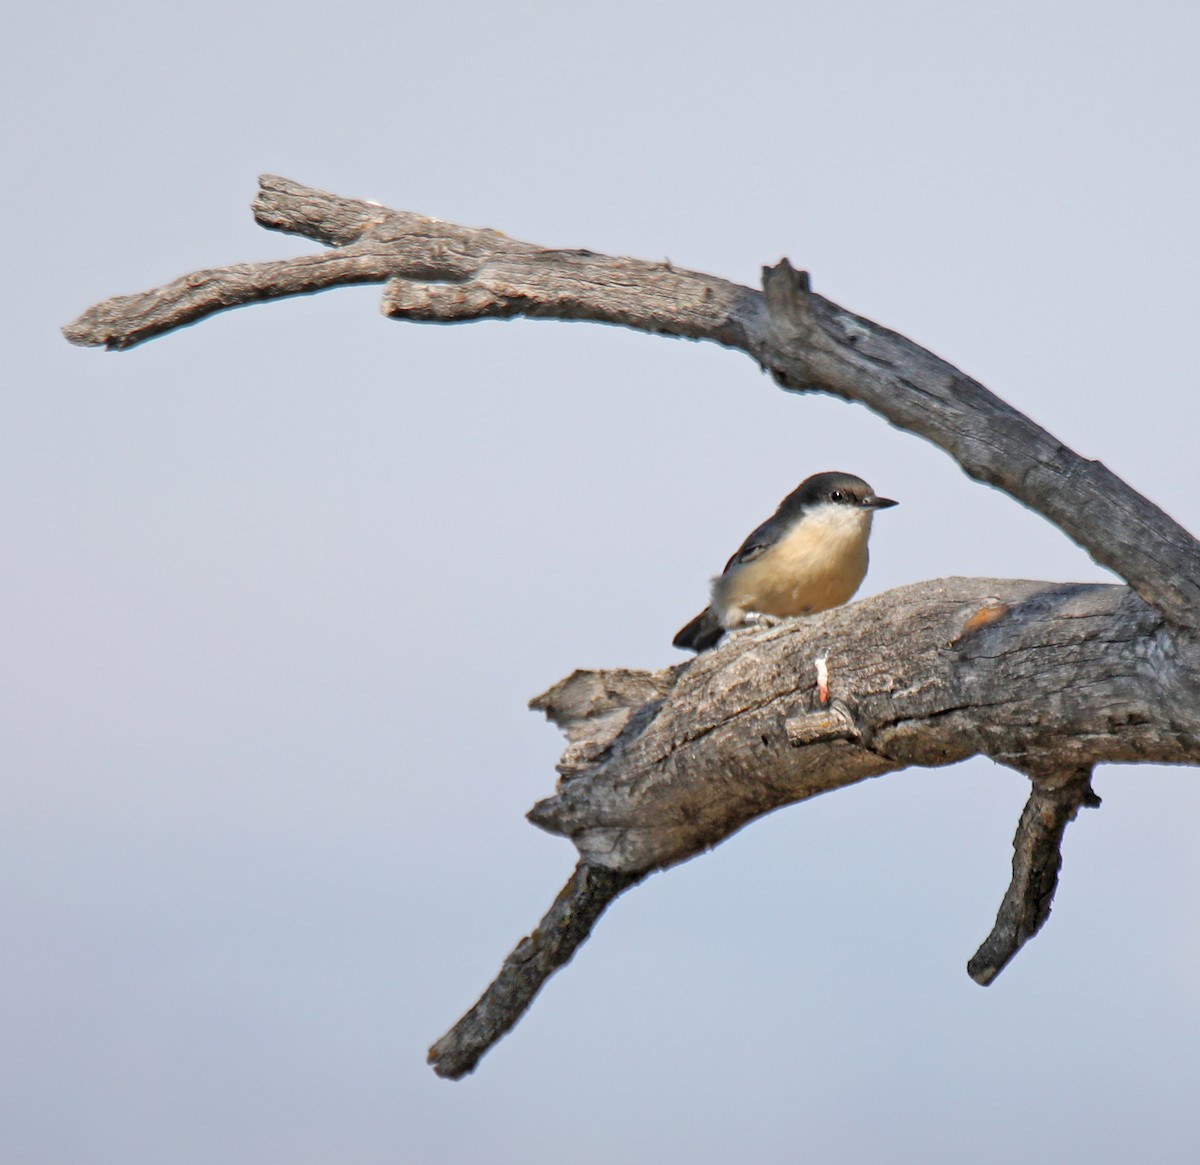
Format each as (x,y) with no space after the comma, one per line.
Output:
(1049,679)
(440,272)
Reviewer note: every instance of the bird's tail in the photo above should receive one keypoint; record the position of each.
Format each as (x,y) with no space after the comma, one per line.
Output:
(703,632)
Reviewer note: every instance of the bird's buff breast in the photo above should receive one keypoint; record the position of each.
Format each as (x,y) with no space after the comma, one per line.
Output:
(819,564)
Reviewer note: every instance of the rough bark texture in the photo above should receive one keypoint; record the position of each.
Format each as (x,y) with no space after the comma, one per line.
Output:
(1050,679)
(665,764)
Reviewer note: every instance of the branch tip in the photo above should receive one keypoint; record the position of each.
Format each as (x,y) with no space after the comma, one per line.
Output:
(823,727)
(566,926)
(1037,860)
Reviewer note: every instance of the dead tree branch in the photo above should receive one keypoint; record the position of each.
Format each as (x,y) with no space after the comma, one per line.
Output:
(440,272)
(568,923)
(1049,679)
(1037,859)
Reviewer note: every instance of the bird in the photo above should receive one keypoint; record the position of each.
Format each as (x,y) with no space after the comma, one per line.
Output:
(810,555)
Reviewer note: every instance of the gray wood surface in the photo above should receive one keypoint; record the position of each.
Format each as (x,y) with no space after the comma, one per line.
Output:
(1047,678)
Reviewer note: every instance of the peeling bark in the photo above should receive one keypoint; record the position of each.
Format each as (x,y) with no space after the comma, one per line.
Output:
(1050,679)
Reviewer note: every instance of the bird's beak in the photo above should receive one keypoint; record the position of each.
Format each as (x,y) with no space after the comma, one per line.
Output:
(871,502)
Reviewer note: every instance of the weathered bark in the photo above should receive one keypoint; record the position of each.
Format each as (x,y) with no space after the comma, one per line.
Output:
(666,764)
(442,273)
(1050,679)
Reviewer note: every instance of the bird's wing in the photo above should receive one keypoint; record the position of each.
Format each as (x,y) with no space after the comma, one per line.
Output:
(758,543)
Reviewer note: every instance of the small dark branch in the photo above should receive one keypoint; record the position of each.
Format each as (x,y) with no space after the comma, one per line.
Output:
(567,924)
(1037,859)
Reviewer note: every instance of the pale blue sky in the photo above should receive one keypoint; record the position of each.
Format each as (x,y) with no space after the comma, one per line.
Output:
(279,586)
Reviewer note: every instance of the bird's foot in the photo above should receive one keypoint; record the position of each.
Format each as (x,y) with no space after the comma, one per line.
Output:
(758,620)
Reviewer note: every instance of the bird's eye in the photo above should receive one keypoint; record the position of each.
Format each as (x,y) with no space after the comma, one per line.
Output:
(838,495)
